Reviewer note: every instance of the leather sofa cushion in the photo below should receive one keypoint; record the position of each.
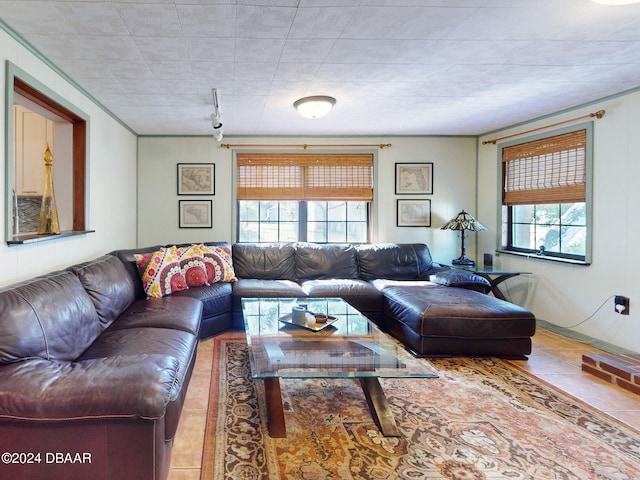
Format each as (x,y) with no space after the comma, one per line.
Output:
(264,261)
(439,311)
(50,317)
(148,341)
(358,293)
(215,298)
(137,385)
(109,285)
(395,261)
(167,312)
(252,287)
(325,261)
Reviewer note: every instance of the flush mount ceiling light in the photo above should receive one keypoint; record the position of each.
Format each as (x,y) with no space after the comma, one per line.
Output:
(615,2)
(314,107)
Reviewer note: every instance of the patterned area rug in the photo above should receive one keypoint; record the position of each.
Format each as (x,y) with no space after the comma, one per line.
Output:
(479,420)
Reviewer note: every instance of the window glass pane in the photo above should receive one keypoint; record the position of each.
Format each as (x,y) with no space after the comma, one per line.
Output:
(574,214)
(288,232)
(268,211)
(248,232)
(268,232)
(248,211)
(336,211)
(548,237)
(357,211)
(357,232)
(317,232)
(337,232)
(288,211)
(317,211)
(523,235)
(574,240)
(523,213)
(548,214)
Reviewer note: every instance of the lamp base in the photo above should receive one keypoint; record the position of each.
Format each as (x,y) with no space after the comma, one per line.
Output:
(463,261)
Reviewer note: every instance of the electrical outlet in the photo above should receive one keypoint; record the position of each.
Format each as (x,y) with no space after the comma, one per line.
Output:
(621,304)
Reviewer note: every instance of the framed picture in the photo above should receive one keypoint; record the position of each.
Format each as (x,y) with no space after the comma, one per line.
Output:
(414,178)
(414,213)
(195,214)
(196,179)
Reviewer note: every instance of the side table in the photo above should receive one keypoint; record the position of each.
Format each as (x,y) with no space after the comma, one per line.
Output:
(493,275)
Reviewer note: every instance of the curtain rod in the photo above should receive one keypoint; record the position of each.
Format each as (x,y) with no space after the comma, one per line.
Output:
(599,114)
(303,145)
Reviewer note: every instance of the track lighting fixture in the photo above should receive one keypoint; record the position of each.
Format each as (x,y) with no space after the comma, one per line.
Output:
(216,117)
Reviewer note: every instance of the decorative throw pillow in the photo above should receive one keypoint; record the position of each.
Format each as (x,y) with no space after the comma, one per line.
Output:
(160,272)
(219,263)
(193,266)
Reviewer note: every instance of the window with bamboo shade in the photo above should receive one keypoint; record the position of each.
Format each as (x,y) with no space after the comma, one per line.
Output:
(304,197)
(545,194)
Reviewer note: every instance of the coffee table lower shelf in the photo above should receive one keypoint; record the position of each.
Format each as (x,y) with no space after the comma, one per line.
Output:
(377,401)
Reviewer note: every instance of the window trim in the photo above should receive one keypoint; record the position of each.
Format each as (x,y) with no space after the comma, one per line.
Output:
(502,245)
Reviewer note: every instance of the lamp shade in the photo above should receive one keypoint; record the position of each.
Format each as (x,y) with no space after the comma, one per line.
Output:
(463,221)
(314,107)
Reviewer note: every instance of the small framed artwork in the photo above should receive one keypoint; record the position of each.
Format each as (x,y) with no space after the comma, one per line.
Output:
(414,213)
(414,178)
(195,213)
(196,179)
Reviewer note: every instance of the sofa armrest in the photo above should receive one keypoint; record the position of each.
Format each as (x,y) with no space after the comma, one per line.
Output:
(453,277)
(115,387)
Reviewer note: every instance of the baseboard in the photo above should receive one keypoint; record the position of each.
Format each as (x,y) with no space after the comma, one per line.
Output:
(581,337)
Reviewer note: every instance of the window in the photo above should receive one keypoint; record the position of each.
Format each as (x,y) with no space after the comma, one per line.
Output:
(545,195)
(304,197)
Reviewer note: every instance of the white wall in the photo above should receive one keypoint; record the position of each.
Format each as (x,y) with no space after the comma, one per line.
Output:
(454,173)
(111,180)
(568,295)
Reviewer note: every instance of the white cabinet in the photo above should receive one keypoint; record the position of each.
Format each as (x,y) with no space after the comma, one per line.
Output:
(32,134)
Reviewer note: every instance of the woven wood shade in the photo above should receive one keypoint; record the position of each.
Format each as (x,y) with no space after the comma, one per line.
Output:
(549,170)
(305,177)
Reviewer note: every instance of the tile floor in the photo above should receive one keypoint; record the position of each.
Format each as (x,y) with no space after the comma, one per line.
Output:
(555,359)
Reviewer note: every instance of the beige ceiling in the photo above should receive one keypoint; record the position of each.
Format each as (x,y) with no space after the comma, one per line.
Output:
(396,67)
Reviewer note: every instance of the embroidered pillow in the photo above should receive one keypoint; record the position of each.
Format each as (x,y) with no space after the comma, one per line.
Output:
(219,263)
(160,272)
(193,266)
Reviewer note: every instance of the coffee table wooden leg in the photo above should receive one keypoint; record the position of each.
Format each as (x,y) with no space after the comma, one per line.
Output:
(275,412)
(379,407)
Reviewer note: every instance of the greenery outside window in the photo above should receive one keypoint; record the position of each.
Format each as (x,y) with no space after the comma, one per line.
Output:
(546,194)
(317,198)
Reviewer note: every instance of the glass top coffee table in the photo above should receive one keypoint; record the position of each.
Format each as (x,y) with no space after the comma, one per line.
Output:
(348,345)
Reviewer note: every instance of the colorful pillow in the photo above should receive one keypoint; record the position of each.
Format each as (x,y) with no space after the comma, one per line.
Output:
(219,263)
(193,266)
(160,272)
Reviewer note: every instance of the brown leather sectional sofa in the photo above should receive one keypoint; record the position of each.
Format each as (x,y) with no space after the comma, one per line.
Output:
(93,375)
